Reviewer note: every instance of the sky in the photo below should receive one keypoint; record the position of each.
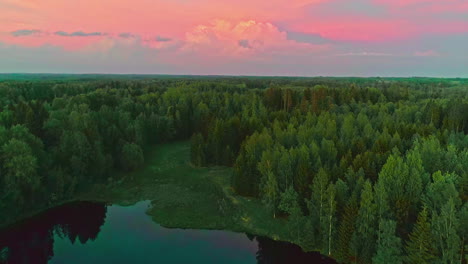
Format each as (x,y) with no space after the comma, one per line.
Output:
(236,37)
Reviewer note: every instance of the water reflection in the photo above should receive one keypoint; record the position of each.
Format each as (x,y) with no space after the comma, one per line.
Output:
(95,233)
(277,252)
(32,241)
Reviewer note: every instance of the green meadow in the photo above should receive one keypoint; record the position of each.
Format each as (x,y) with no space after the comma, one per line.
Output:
(184,196)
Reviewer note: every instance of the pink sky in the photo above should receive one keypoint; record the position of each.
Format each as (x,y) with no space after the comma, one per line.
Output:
(219,36)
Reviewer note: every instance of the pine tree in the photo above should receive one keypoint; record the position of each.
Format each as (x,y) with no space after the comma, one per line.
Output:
(345,232)
(364,239)
(419,248)
(381,202)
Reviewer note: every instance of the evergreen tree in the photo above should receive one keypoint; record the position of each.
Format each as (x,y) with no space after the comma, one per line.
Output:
(364,237)
(419,247)
(382,206)
(346,231)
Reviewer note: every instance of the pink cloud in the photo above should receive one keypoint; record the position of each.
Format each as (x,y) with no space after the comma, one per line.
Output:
(406,3)
(452,7)
(243,39)
(357,28)
(209,43)
(179,20)
(366,54)
(424,8)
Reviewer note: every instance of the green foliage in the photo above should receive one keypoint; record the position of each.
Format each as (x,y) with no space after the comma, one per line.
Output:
(197,150)
(288,203)
(131,157)
(444,227)
(317,203)
(328,221)
(419,247)
(20,170)
(353,153)
(346,230)
(403,183)
(4,254)
(389,248)
(364,238)
(270,189)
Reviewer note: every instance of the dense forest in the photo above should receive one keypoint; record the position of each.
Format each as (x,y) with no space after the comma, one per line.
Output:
(368,170)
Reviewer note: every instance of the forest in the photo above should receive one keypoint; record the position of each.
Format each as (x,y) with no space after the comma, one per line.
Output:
(365,170)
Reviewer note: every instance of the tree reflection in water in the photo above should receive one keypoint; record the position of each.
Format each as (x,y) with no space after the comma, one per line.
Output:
(277,252)
(32,241)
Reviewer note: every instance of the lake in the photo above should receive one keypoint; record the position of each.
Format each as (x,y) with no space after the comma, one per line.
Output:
(86,232)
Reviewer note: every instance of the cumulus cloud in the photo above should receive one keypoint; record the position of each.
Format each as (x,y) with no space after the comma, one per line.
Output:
(25,32)
(243,39)
(79,34)
(244,43)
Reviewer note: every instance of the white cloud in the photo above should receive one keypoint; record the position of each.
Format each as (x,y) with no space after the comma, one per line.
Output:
(366,54)
(229,39)
(427,53)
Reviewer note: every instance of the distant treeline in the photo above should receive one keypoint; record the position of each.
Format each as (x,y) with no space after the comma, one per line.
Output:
(365,170)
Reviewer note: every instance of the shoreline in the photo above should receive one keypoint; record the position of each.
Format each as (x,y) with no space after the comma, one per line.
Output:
(183,196)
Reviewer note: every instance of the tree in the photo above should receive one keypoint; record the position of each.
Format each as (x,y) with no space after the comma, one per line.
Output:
(132,156)
(364,238)
(463,231)
(419,248)
(75,153)
(389,248)
(329,218)
(346,231)
(303,171)
(289,201)
(285,170)
(440,190)
(395,177)
(445,226)
(270,192)
(197,152)
(20,170)
(246,178)
(382,206)
(289,204)
(328,152)
(270,188)
(319,192)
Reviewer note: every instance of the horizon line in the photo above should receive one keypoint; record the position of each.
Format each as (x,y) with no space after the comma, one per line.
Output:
(235,75)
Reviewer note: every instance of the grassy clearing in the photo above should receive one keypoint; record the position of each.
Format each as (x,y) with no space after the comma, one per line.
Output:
(186,197)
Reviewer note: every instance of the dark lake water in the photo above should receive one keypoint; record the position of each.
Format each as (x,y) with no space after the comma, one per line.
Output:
(87,232)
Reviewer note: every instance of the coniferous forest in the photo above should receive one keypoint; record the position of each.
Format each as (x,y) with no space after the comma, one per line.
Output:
(365,170)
